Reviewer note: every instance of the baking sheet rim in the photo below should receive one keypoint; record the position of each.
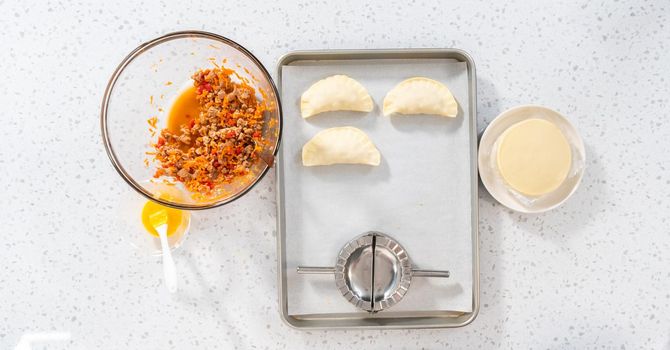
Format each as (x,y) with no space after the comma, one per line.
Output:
(412,320)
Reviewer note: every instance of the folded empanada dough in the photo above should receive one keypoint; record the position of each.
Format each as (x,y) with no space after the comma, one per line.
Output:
(335,93)
(342,145)
(420,96)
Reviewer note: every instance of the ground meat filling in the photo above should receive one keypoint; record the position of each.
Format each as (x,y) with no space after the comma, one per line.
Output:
(221,143)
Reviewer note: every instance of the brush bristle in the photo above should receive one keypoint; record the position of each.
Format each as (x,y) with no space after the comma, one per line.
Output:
(159,218)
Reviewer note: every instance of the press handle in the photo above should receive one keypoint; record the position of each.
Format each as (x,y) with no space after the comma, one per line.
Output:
(320,270)
(430,273)
(315,270)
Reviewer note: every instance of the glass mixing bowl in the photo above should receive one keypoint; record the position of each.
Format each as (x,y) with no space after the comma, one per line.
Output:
(144,85)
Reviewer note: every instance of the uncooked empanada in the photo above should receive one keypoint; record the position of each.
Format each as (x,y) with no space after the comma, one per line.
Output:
(335,93)
(342,145)
(420,96)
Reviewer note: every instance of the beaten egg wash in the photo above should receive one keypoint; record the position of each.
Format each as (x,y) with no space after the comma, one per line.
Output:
(175,220)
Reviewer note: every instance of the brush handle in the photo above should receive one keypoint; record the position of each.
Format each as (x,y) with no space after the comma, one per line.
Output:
(169,269)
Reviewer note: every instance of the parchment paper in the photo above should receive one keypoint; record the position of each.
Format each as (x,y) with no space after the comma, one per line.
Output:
(419,195)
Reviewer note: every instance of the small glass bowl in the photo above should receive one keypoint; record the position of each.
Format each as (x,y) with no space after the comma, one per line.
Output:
(129,221)
(142,87)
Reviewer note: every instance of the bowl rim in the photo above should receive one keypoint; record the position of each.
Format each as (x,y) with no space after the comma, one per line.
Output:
(112,82)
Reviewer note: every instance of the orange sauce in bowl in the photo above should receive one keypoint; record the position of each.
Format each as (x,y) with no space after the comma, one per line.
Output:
(184,109)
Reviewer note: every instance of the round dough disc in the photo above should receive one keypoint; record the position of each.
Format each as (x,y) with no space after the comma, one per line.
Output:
(534,157)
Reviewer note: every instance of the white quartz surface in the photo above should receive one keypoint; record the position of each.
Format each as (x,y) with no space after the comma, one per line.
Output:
(594,273)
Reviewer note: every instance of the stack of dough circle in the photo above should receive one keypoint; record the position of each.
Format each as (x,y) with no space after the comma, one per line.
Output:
(534,157)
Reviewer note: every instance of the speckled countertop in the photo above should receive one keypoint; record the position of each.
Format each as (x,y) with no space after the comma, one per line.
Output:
(594,273)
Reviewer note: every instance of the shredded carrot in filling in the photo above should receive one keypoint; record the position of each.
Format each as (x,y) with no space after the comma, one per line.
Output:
(152,122)
(221,143)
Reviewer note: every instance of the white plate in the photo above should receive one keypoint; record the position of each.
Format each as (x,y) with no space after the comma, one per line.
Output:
(496,185)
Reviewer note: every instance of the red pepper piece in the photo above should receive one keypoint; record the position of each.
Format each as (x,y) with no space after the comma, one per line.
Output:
(204,87)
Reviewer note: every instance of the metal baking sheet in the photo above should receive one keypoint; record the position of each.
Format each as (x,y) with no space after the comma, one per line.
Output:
(314,235)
